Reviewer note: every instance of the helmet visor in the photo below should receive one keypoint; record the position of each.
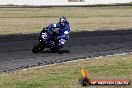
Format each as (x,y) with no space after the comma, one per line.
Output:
(62,22)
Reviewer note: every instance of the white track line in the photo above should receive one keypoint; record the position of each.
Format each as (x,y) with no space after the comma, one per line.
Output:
(122,54)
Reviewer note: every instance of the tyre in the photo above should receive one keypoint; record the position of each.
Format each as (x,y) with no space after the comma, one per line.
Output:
(37,47)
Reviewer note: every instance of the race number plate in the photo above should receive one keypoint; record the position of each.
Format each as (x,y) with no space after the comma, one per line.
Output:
(44,35)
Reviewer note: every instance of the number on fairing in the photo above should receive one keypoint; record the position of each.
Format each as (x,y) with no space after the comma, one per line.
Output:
(44,35)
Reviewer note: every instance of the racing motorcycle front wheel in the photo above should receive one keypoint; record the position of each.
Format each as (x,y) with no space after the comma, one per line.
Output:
(37,47)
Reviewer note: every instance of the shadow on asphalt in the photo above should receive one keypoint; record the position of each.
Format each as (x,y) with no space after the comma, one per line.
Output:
(24,42)
(34,36)
(62,51)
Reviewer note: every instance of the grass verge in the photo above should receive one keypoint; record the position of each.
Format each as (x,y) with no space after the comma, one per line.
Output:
(32,20)
(66,75)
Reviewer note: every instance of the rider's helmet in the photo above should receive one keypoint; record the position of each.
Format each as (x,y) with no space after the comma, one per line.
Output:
(63,21)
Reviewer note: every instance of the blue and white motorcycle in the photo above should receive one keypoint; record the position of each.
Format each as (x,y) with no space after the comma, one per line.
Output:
(47,40)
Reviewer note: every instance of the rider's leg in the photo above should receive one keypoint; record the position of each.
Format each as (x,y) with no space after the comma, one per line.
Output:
(61,43)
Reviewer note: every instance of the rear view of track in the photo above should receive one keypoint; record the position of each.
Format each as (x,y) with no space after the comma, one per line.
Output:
(15,50)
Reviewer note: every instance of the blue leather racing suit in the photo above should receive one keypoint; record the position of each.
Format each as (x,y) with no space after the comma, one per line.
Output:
(63,33)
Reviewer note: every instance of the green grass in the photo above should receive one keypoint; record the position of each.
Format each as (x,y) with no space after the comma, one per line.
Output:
(66,75)
(130,3)
(32,20)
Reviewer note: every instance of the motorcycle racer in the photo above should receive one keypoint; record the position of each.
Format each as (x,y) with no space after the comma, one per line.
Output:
(63,31)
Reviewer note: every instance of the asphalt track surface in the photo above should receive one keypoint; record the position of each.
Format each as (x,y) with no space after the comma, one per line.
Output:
(15,50)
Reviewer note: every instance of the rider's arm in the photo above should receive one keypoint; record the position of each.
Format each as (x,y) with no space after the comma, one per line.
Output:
(51,26)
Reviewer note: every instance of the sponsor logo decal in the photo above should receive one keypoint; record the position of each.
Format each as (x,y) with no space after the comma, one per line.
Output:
(85,80)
